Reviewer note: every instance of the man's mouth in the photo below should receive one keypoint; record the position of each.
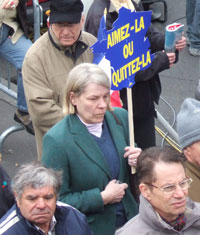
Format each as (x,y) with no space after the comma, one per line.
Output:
(179,203)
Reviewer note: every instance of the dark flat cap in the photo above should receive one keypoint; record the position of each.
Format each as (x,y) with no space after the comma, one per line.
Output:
(69,11)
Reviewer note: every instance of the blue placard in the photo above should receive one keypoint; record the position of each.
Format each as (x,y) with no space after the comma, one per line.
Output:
(126,47)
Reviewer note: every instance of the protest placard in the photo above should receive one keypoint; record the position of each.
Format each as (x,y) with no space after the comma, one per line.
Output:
(126,47)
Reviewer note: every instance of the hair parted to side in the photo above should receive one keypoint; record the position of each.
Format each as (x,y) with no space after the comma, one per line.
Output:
(150,156)
(35,175)
(78,79)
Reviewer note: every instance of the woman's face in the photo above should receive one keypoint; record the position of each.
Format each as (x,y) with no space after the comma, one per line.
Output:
(92,104)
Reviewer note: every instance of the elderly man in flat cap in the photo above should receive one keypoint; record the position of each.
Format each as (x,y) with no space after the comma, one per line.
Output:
(49,61)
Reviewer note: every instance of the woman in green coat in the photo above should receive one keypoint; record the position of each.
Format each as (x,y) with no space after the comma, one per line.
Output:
(91,147)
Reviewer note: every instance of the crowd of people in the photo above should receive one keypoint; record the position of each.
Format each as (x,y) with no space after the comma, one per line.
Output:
(82,182)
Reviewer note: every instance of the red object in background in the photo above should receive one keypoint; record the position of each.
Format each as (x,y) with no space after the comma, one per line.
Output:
(115,100)
(30,3)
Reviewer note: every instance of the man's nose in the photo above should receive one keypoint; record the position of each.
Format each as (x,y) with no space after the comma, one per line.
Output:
(179,192)
(41,203)
(65,30)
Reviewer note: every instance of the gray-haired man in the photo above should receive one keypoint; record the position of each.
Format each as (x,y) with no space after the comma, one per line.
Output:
(36,210)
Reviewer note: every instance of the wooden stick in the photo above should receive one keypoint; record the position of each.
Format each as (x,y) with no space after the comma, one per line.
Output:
(130,121)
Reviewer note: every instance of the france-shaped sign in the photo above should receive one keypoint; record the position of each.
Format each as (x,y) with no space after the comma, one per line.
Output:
(126,47)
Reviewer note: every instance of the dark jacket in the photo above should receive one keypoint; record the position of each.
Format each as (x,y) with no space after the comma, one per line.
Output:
(6,195)
(68,146)
(22,16)
(69,221)
(147,88)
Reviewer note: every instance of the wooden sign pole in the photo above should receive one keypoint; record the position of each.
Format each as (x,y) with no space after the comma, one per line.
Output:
(130,121)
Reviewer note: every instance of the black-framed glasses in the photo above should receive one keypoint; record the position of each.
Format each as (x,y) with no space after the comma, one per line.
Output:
(171,188)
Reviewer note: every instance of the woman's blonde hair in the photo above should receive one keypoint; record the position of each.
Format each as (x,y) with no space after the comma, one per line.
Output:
(78,79)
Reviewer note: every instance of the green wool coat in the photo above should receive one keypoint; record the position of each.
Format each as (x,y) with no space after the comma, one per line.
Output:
(68,146)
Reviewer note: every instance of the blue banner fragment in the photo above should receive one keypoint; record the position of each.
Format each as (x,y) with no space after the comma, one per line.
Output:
(126,47)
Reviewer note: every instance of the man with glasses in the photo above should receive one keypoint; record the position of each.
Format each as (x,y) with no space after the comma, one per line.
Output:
(164,205)
(48,62)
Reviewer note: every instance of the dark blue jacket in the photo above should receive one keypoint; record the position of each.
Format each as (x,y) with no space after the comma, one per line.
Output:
(69,221)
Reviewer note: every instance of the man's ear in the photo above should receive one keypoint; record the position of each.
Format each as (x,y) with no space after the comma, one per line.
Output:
(16,198)
(187,153)
(82,20)
(145,191)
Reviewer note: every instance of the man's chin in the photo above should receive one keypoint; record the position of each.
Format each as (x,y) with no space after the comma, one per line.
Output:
(179,209)
(67,42)
(39,219)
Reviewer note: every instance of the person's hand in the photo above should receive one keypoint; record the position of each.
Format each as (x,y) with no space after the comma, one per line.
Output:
(9,4)
(113,192)
(171,57)
(132,153)
(181,44)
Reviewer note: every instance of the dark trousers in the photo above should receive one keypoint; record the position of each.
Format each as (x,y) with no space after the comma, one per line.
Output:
(144,137)
(144,131)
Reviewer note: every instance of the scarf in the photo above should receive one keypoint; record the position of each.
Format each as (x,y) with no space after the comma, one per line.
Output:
(179,223)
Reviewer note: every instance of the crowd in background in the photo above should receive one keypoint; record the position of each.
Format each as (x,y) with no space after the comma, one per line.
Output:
(84,182)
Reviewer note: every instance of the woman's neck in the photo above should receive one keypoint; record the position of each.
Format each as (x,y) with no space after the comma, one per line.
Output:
(94,128)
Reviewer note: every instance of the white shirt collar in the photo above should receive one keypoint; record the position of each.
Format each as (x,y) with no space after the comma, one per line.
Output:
(95,129)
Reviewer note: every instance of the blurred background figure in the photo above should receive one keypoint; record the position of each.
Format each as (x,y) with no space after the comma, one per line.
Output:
(197,92)
(193,26)
(14,44)
(188,129)
(6,195)
(91,146)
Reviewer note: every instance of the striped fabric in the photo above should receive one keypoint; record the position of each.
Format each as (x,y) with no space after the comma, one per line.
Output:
(9,222)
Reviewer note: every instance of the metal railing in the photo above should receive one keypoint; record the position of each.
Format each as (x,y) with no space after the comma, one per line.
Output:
(169,134)
(6,86)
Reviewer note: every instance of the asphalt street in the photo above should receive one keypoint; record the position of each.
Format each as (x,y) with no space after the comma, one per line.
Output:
(178,83)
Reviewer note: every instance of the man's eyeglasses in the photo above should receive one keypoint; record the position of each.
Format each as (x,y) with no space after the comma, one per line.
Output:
(171,188)
(61,26)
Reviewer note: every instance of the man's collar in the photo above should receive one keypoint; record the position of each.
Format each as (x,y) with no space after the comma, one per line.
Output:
(51,228)
(31,225)
(176,223)
(53,223)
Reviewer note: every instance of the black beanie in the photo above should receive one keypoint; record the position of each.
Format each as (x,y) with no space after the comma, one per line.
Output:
(69,11)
